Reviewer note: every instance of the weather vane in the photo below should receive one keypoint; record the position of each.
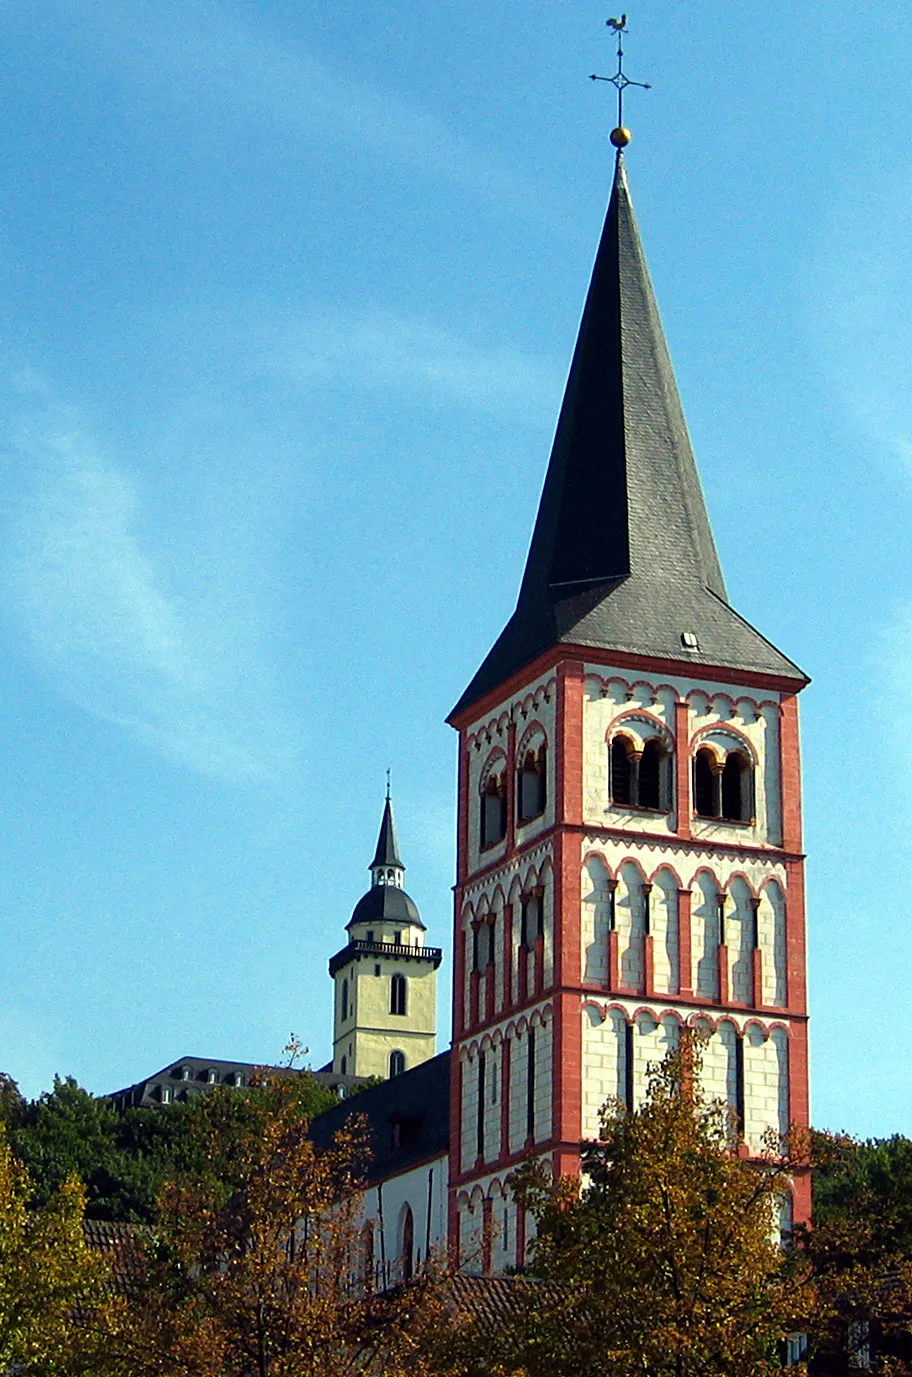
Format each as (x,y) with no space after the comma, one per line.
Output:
(620,136)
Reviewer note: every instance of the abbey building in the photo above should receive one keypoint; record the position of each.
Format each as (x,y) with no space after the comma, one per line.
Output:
(629,834)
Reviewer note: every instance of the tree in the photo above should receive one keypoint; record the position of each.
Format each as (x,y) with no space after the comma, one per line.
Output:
(254,1268)
(666,1262)
(55,1304)
(124,1159)
(860,1249)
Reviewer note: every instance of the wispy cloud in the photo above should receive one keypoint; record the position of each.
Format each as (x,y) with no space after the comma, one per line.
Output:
(207,57)
(412,356)
(109,619)
(860,293)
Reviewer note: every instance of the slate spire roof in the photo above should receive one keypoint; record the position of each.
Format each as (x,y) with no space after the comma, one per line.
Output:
(387,853)
(622,555)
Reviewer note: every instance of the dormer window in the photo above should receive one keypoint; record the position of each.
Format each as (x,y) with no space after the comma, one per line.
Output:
(186,1072)
(212,1077)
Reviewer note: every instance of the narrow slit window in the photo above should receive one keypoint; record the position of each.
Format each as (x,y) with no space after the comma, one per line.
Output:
(398,995)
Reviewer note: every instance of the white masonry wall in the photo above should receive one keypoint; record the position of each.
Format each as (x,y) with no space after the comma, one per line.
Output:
(412,1189)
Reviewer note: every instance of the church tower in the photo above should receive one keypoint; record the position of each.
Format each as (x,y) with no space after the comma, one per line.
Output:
(629,822)
(385,1009)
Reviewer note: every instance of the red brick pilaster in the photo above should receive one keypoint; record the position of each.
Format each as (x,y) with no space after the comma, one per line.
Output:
(613,967)
(799,1111)
(648,965)
(455,1154)
(506,1049)
(568,754)
(507,957)
(458,968)
(567,1070)
(486,1234)
(682,768)
(757,978)
(790,773)
(685,952)
(511,787)
(462,830)
(723,973)
(796,955)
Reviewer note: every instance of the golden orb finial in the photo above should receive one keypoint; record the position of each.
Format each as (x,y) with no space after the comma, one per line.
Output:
(620,136)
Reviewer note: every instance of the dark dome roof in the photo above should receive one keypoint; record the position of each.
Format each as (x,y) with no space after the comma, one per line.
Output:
(387,904)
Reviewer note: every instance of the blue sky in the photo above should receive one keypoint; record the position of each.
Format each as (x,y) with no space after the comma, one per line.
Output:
(288,295)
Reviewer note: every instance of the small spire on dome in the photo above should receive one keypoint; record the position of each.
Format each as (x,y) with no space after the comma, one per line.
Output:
(387,852)
(620,136)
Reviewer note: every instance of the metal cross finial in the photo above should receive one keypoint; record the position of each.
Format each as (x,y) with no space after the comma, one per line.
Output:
(387,785)
(620,80)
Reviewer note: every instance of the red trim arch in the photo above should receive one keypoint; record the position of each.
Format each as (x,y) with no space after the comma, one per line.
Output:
(497,753)
(725,729)
(666,865)
(534,728)
(664,731)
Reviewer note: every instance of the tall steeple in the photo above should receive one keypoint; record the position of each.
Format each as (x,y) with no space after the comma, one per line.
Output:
(622,555)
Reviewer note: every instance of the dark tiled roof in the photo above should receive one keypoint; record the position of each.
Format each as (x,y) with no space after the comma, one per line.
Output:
(408,1117)
(622,555)
(490,1301)
(122,1245)
(387,904)
(147,1093)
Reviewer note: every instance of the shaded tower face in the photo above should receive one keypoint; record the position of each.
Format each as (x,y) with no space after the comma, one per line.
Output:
(385,1008)
(629,837)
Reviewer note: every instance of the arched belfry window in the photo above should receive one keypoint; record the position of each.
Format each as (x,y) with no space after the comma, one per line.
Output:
(494,807)
(396,1064)
(532,783)
(621,770)
(640,776)
(398,994)
(705,790)
(649,792)
(737,804)
(723,788)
